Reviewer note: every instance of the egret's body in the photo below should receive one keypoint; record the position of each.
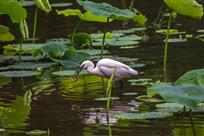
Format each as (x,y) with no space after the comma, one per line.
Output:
(105,68)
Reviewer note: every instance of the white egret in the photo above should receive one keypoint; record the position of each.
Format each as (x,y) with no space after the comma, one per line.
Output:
(105,68)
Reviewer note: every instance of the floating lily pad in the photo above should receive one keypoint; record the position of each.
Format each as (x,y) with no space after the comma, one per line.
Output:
(169,105)
(105,98)
(200,31)
(59,41)
(19,73)
(94,51)
(140,82)
(137,65)
(164,31)
(130,94)
(28,3)
(128,31)
(146,115)
(68,73)
(59,5)
(31,65)
(36,132)
(148,99)
(176,40)
(134,103)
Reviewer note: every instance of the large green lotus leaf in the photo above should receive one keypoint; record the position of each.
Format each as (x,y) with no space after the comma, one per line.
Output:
(140,19)
(106,10)
(14,9)
(186,94)
(130,30)
(43,4)
(186,7)
(54,50)
(87,16)
(71,59)
(195,77)
(80,40)
(176,40)
(31,65)
(146,115)
(18,73)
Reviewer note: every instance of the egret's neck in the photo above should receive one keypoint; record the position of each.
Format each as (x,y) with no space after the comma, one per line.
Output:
(90,69)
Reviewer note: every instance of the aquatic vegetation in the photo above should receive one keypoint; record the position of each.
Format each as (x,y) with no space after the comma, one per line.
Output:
(18,73)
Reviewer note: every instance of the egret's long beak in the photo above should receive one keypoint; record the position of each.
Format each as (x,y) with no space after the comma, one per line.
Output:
(77,72)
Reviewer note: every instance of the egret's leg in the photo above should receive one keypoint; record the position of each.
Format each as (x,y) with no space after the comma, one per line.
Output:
(121,84)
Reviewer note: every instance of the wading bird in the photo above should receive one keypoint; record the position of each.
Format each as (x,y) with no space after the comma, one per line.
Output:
(105,68)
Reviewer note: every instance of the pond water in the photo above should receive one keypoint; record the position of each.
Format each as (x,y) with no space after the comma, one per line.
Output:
(60,107)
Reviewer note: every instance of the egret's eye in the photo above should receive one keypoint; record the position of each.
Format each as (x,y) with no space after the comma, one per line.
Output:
(82,66)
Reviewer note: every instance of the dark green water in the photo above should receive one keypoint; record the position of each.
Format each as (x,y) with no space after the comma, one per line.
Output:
(68,108)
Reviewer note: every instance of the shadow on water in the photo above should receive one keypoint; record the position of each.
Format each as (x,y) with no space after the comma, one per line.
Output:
(67,108)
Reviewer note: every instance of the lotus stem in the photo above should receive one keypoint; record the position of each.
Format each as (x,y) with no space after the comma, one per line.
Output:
(109,90)
(104,37)
(75,30)
(35,24)
(166,47)
(191,121)
(20,51)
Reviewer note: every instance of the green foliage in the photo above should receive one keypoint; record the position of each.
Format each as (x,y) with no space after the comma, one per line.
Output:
(24,29)
(81,40)
(18,73)
(43,5)
(87,16)
(186,94)
(4,81)
(186,7)
(108,11)
(15,10)
(54,50)
(31,65)
(195,77)
(146,115)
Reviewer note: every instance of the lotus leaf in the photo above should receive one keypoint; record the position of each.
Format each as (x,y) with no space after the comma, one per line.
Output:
(105,98)
(61,5)
(176,40)
(43,5)
(130,94)
(87,16)
(186,7)
(185,94)
(146,115)
(31,65)
(18,73)
(93,51)
(14,6)
(195,77)
(80,40)
(37,132)
(4,81)
(71,59)
(107,10)
(54,50)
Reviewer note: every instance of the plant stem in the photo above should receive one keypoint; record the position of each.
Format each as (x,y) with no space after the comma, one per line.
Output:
(20,52)
(35,24)
(166,48)
(104,37)
(191,121)
(75,30)
(158,15)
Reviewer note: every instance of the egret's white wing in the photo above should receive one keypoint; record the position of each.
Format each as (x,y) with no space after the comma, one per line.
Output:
(111,64)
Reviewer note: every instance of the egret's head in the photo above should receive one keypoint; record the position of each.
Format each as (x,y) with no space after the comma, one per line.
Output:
(84,65)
